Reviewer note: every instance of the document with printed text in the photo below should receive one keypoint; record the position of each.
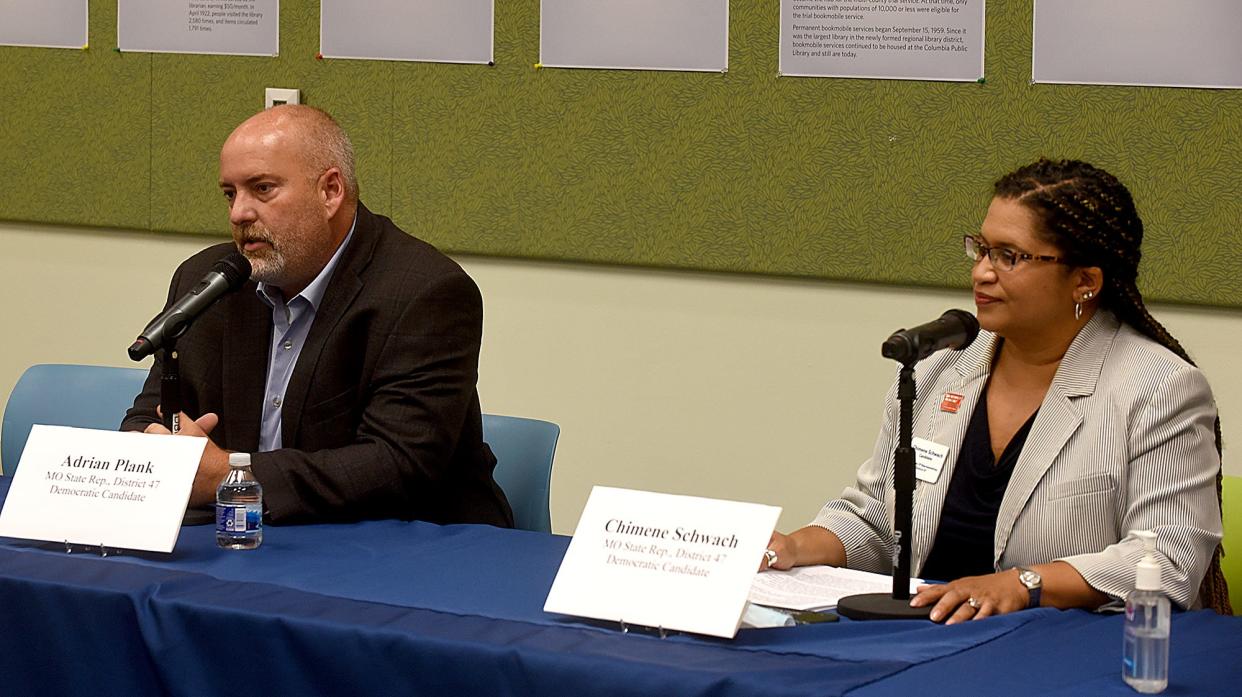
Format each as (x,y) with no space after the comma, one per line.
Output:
(816,587)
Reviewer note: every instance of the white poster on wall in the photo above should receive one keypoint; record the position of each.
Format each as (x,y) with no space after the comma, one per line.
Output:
(43,23)
(231,27)
(891,39)
(635,34)
(445,31)
(1188,43)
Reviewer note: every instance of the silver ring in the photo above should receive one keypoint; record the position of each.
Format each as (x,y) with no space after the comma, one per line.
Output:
(770,556)
(973,603)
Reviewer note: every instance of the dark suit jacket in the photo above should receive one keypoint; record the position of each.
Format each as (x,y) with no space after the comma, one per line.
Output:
(381,417)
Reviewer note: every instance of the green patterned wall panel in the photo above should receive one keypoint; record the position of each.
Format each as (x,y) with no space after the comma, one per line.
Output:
(74,132)
(202,98)
(864,180)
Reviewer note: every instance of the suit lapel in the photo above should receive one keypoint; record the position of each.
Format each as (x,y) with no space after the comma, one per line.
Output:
(343,289)
(1058,419)
(246,345)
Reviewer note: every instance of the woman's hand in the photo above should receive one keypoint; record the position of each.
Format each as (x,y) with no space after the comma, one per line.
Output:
(810,545)
(973,597)
(781,553)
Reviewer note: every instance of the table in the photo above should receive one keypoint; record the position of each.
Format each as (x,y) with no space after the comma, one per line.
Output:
(395,608)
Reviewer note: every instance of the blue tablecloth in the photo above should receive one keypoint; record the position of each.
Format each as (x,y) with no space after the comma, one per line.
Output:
(411,608)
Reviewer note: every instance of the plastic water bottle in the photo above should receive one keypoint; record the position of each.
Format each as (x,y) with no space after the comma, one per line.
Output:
(1145,651)
(239,506)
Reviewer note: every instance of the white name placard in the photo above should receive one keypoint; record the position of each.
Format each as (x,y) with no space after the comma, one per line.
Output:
(659,560)
(85,486)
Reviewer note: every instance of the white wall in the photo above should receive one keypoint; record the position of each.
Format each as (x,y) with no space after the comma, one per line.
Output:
(726,386)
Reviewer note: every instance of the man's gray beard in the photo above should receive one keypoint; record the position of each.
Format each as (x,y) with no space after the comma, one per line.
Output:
(267,267)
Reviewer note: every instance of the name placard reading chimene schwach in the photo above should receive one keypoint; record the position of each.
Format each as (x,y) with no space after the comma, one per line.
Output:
(92,487)
(659,560)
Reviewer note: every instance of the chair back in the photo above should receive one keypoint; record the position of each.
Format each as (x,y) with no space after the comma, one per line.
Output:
(524,450)
(86,396)
(1231,563)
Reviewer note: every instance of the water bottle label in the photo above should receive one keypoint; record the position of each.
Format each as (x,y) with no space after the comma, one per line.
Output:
(238,518)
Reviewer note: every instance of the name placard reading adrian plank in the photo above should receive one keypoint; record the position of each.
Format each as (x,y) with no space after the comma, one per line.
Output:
(660,560)
(85,486)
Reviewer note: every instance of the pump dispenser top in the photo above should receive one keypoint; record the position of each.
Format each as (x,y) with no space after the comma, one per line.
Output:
(1145,647)
(1147,573)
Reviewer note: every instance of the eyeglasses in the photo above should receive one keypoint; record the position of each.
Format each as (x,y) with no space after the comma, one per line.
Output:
(1002,258)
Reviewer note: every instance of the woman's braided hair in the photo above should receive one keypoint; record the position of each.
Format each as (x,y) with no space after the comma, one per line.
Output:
(1090,216)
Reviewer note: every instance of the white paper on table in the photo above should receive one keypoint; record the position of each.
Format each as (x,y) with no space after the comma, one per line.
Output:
(816,587)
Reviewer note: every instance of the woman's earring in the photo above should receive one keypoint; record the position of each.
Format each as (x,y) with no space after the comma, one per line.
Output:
(1078,305)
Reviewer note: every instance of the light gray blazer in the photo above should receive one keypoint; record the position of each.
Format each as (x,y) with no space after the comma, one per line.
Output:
(1123,441)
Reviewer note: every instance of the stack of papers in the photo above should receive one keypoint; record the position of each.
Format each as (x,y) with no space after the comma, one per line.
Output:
(816,587)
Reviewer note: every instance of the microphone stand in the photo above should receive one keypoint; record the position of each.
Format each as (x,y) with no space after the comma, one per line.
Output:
(882,606)
(170,386)
(170,411)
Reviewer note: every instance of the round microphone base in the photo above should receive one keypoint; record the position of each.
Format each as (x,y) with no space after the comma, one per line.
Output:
(880,606)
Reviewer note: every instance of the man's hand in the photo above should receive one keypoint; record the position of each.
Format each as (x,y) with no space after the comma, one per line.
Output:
(214,464)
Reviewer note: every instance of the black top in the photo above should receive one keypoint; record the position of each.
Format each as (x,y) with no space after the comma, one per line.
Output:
(964,540)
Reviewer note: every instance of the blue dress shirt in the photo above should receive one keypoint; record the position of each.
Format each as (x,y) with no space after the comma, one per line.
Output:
(291,322)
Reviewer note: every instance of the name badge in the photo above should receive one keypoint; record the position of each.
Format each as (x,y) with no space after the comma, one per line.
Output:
(929,459)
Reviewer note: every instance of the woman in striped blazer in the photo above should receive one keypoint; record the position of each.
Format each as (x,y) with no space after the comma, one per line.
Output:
(1073,419)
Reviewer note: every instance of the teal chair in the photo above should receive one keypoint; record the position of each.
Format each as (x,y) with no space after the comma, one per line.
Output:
(90,396)
(87,396)
(524,450)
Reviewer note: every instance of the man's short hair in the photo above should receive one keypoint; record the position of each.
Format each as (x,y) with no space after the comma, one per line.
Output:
(325,144)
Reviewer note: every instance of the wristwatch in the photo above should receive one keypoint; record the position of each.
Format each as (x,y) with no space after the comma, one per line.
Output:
(1033,583)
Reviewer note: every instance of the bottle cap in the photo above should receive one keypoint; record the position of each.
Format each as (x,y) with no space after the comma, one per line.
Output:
(239,459)
(1147,573)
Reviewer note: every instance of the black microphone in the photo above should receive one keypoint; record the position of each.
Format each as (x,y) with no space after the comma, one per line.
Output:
(955,329)
(226,275)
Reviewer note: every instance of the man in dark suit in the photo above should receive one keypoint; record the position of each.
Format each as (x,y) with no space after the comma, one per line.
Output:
(347,364)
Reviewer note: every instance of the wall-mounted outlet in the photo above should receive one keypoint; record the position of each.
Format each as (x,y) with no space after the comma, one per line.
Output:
(275,96)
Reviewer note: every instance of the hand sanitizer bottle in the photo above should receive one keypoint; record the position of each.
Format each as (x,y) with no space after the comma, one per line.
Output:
(1145,652)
